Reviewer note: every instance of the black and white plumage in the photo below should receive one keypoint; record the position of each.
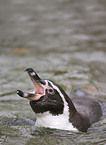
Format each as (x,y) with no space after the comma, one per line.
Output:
(55,109)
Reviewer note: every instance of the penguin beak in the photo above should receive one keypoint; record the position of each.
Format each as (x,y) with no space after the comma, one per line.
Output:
(38,86)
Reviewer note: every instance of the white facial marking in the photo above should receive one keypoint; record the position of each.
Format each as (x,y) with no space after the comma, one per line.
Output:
(62,96)
(46,86)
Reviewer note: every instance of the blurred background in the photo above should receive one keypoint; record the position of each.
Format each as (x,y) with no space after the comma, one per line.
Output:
(62,40)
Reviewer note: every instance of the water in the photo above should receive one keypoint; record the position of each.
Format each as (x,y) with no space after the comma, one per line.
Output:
(62,40)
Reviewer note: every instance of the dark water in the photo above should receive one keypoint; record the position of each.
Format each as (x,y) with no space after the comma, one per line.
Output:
(63,40)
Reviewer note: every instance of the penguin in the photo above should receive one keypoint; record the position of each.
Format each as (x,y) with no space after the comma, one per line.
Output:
(55,109)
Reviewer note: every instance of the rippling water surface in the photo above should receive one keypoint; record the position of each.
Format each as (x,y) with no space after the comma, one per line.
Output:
(63,40)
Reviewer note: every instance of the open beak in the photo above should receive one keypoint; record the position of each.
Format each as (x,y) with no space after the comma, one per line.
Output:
(38,86)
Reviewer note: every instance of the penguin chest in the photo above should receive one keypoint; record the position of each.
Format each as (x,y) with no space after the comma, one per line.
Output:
(57,122)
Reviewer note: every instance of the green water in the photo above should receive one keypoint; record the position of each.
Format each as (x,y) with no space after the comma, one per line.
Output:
(61,40)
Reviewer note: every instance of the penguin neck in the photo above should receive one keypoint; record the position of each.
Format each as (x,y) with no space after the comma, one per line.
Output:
(72,109)
(80,121)
(71,106)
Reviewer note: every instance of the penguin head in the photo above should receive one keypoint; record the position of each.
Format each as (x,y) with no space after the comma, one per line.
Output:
(47,95)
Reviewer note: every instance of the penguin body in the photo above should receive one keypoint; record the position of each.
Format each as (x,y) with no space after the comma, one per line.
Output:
(55,109)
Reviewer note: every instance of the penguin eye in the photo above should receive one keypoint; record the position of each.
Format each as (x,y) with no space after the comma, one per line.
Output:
(50,91)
